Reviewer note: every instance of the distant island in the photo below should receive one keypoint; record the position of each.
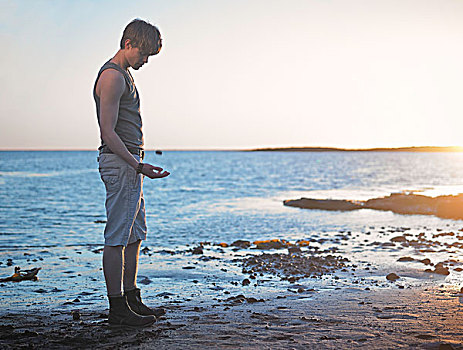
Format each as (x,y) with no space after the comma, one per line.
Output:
(331,149)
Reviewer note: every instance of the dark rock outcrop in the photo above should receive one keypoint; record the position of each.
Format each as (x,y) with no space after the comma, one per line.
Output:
(448,207)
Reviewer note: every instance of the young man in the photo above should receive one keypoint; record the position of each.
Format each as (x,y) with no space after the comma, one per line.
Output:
(122,171)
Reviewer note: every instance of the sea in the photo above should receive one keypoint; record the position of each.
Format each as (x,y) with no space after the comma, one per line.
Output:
(52,216)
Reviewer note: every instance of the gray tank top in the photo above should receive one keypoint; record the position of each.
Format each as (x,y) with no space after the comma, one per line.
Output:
(129,124)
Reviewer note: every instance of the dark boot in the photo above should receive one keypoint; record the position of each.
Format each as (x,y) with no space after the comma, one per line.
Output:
(135,303)
(120,314)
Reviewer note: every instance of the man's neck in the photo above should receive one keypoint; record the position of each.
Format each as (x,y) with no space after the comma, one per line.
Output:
(120,60)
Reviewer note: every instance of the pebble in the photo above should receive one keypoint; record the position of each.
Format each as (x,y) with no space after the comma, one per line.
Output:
(197,250)
(145,281)
(426,261)
(294,250)
(406,258)
(392,277)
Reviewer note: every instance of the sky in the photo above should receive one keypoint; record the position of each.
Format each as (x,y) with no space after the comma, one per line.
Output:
(240,74)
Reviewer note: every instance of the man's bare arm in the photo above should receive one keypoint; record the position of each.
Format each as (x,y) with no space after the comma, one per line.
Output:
(110,88)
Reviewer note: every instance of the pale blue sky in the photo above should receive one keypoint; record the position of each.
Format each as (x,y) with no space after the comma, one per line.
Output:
(240,74)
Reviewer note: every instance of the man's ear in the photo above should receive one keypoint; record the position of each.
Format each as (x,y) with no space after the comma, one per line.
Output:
(127,44)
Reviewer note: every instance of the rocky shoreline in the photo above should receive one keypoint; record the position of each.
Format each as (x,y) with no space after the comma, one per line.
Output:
(447,207)
(275,293)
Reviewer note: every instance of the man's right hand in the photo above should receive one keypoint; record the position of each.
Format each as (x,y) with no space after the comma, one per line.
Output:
(154,172)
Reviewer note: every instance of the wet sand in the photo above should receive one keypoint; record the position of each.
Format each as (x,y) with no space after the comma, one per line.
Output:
(398,290)
(341,319)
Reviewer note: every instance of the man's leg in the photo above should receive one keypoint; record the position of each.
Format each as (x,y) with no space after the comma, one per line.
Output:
(120,314)
(115,175)
(131,253)
(113,266)
(132,293)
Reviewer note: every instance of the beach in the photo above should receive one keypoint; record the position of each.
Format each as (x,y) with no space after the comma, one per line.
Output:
(345,319)
(316,299)
(298,166)
(233,265)
(387,318)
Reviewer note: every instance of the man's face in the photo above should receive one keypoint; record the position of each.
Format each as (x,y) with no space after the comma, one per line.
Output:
(136,57)
(139,58)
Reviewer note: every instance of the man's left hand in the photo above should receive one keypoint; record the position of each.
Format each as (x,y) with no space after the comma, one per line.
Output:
(154,172)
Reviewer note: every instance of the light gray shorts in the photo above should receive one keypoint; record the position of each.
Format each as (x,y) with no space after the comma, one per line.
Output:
(125,206)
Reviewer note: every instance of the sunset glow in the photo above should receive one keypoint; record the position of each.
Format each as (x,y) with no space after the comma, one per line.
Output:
(241,74)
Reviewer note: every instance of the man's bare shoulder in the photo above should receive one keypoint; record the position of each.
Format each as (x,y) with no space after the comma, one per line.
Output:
(112,75)
(110,79)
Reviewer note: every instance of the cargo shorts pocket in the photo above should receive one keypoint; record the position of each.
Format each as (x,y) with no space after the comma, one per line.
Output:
(110,177)
(135,179)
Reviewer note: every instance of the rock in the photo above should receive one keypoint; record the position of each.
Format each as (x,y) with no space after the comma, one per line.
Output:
(145,281)
(28,333)
(237,299)
(448,207)
(75,315)
(294,250)
(197,250)
(426,261)
(40,290)
(392,277)
(406,258)
(223,245)
(292,267)
(439,265)
(323,204)
(251,300)
(425,336)
(271,244)
(241,244)
(398,239)
(441,270)
(246,282)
